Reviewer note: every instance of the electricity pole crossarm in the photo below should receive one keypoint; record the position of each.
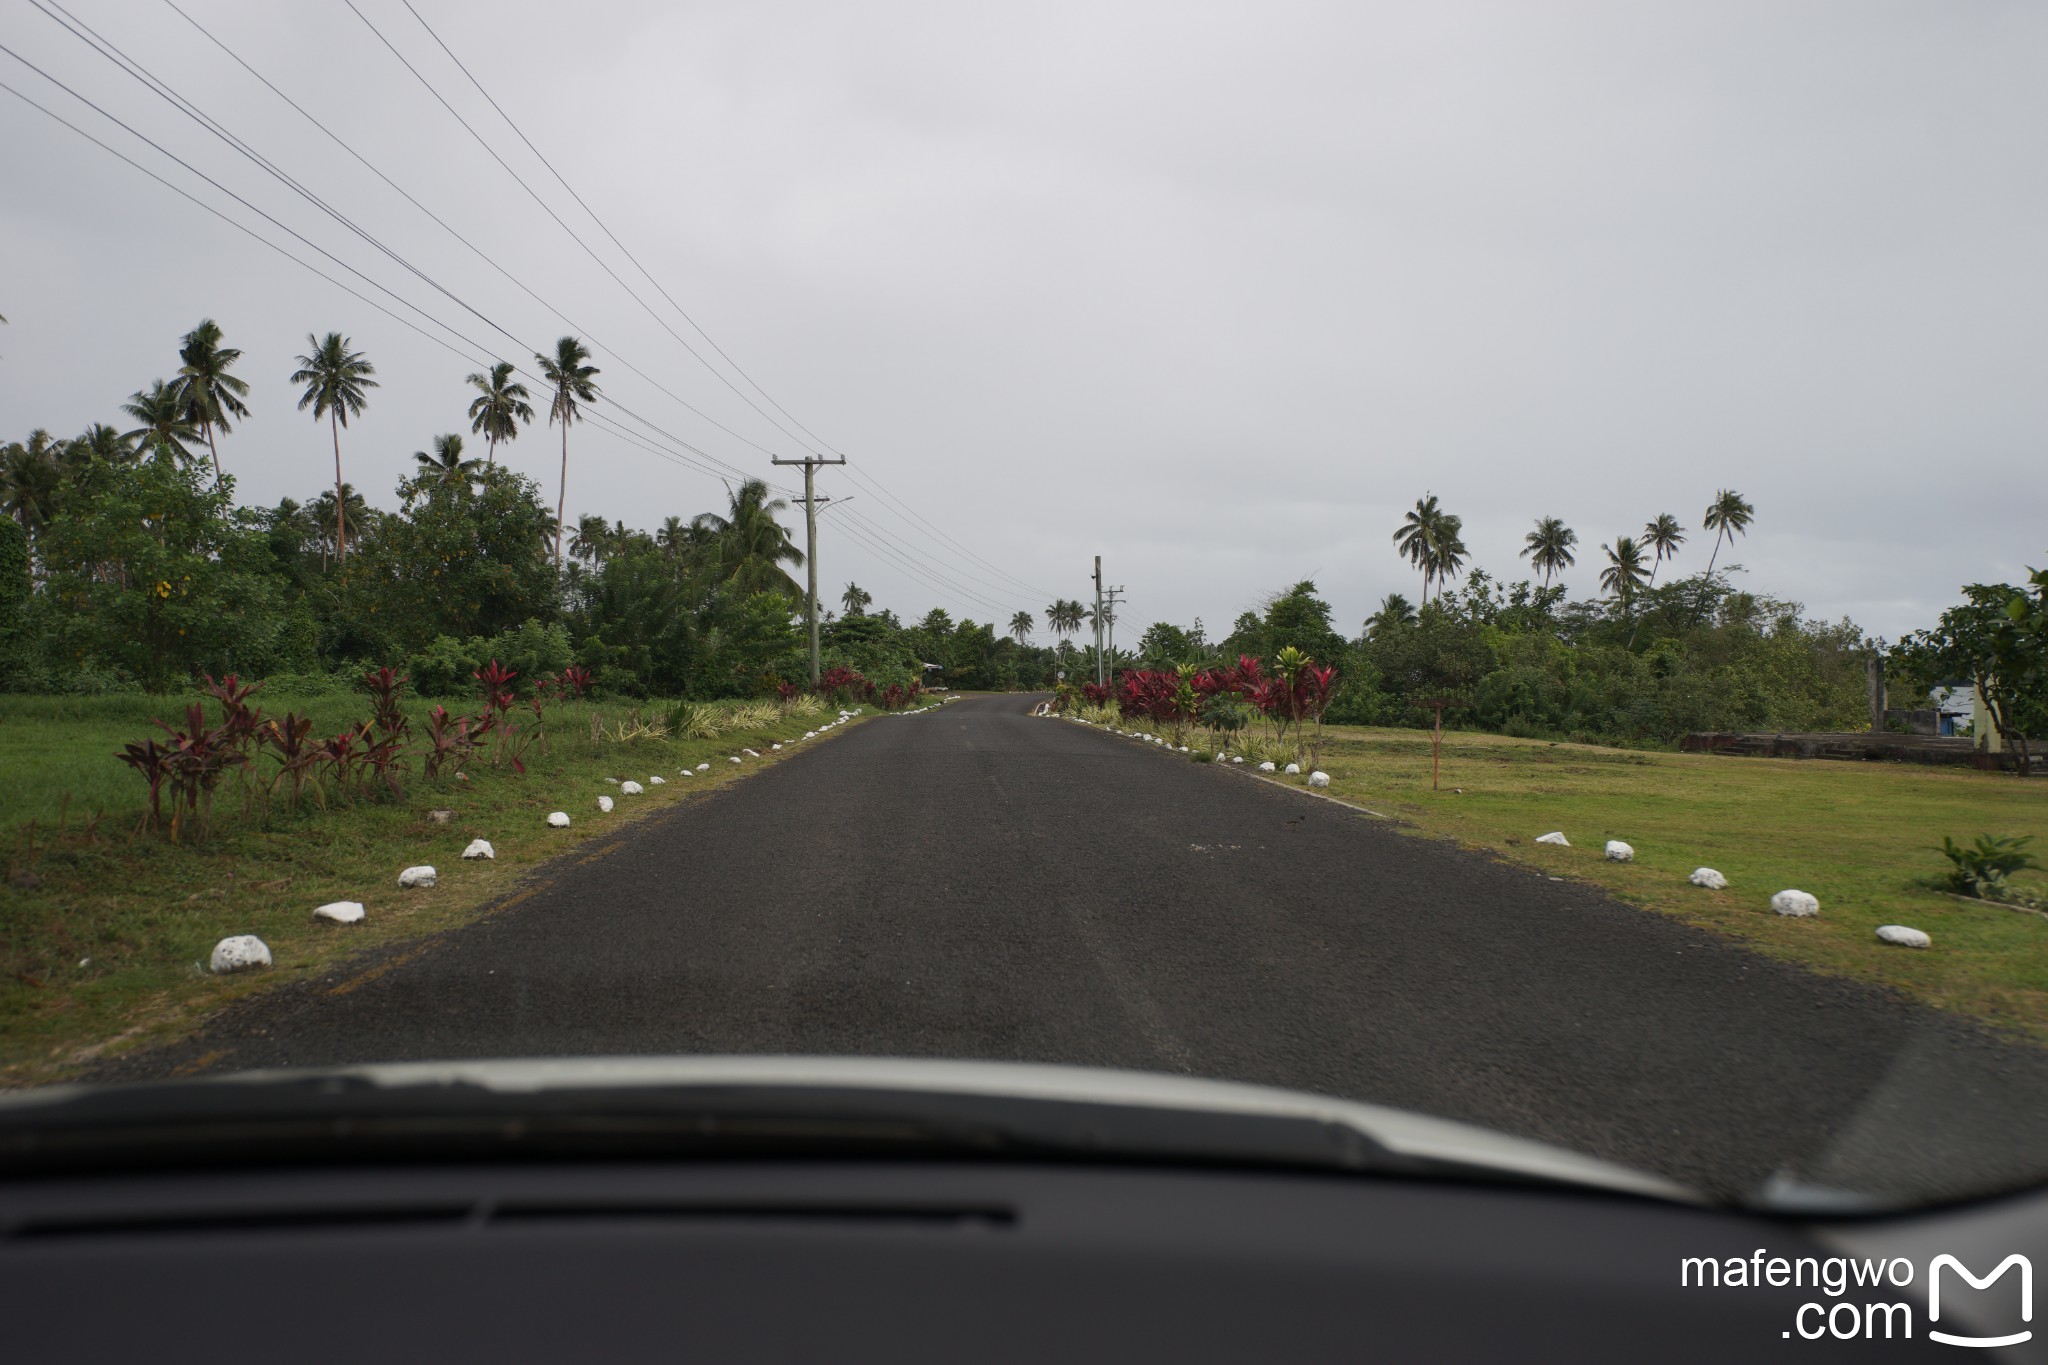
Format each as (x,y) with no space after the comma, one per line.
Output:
(811,500)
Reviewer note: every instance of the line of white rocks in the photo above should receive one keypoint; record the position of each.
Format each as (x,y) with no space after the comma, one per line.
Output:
(1317,778)
(247,952)
(1791,903)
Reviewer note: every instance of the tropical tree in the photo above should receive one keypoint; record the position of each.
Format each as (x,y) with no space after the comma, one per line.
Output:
(30,481)
(1662,537)
(99,441)
(1395,612)
(856,599)
(1624,572)
(210,393)
(445,466)
(592,539)
(1448,553)
(335,378)
(750,546)
(673,536)
(1021,626)
(1727,517)
(1548,548)
(1416,533)
(331,516)
(1431,540)
(571,384)
(166,423)
(499,410)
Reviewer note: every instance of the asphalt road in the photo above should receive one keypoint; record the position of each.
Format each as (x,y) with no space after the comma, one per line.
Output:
(975,882)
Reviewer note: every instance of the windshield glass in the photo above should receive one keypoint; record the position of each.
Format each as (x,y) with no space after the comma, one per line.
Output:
(1479,559)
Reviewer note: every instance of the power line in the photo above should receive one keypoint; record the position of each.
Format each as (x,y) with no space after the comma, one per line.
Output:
(135,70)
(166,92)
(546,208)
(163,90)
(445,226)
(680,311)
(604,423)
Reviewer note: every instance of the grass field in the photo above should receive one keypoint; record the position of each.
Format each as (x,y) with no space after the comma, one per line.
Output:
(101,930)
(1862,837)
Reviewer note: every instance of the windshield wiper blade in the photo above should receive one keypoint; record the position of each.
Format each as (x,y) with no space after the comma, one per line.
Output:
(811,1108)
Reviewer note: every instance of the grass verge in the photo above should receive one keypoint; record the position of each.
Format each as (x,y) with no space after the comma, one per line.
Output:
(1862,837)
(104,933)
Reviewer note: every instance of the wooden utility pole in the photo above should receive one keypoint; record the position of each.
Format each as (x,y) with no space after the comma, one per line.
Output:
(1098,620)
(810,464)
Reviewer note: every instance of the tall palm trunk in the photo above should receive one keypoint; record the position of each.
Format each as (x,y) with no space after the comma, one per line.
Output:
(562,501)
(491,451)
(214,450)
(340,504)
(1716,554)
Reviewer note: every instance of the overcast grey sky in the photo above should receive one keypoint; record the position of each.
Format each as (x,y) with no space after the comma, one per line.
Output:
(1215,291)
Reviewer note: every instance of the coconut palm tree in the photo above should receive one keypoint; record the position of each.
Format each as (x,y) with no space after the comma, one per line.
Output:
(570,379)
(445,465)
(1548,548)
(328,513)
(211,395)
(1021,626)
(335,378)
(1430,539)
(499,410)
(673,536)
(1417,533)
(166,422)
(1663,537)
(856,600)
(1395,612)
(1624,571)
(30,481)
(591,541)
(751,545)
(99,441)
(1447,552)
(1727,517)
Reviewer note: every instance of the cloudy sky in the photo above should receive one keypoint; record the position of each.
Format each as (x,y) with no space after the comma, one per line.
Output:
(1215,291)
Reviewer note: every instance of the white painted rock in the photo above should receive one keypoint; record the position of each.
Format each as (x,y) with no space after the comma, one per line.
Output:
(703,767)
(613,780)
(774,748)
(1267,766)
(732,760)
(1292,769)
(558,819)
(1183,748)
(657,781)
(1238,759)
(480,848)
(810,734)
(418,877)
(604,803)
(341,912)
(1319,779)
(1555,836)
(1710,879)
(750,753)
(631,788)
(687,772)
(1618,852)
(242,953)
(1796,903)
(1903,937)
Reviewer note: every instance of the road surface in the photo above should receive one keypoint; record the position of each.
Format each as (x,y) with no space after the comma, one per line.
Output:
(975,882)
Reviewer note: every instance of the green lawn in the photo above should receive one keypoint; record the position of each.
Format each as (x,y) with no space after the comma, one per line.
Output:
(1862,837)
(101,928)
